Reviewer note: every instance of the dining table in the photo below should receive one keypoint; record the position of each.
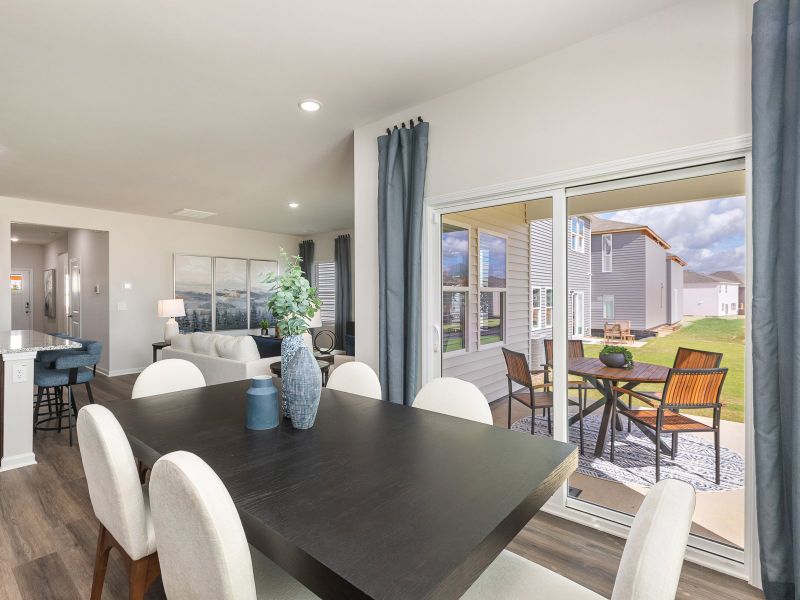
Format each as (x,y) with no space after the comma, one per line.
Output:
(376,500)
(604,379)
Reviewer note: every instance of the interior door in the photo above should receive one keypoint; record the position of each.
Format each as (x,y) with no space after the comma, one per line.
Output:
(75,297)
(21,310)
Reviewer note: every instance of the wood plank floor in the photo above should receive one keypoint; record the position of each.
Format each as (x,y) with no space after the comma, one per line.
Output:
(48,531)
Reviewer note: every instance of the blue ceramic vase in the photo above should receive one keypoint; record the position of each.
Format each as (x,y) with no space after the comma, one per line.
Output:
(263,410)
(302,382)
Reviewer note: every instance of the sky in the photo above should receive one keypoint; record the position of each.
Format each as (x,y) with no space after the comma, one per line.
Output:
(709,234)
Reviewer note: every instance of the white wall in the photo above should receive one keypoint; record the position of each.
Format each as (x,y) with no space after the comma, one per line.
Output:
(701,301)
(51,252)
(140,252)
(673,79)
(31,256)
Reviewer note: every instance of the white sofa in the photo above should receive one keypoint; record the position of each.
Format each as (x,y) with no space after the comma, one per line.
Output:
(221,358)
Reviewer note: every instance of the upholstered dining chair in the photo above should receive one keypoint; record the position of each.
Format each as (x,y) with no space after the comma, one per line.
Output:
(683,389)
(650,568)
(119,501)
(168,375)
(454,397)
(355,378)
(202,547)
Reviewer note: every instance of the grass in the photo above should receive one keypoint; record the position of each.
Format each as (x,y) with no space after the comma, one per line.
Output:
(717,334)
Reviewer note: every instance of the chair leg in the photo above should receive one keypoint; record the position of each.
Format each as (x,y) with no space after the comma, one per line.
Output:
(716,452)
(70,413)
(549,422)
(658,454)
(533,417)
(39,393)
(89,392)
(613,428)
(630,406)
(674,448)
(510,397)
(141,575)
(581,405)
(60,406)
(100,563)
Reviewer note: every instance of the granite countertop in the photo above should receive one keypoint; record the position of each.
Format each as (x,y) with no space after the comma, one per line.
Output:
(27,340)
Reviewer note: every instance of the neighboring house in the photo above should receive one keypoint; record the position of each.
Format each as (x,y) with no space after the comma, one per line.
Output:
(733,276)
(634,277)
(579,280)
(710,296)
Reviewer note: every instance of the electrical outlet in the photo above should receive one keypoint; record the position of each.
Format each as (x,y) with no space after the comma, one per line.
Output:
(122,306)
(19,374)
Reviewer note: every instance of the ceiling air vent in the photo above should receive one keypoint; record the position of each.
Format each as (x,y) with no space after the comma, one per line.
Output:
(192,213)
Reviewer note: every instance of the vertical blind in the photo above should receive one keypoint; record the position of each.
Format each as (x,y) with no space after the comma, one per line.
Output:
(326,290)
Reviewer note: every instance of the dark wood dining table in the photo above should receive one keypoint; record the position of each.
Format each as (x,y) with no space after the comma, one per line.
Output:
(604,379)
(376,500)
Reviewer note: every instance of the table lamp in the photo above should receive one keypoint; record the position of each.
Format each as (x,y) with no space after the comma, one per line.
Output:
(315,321)
(171,308)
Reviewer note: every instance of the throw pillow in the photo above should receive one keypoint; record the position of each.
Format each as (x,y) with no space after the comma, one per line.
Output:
(239,348)
(204,343)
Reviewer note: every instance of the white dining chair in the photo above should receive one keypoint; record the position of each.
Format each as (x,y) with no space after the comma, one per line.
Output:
(355,378)
(203,550)
(650,567)
(454,397)
(119,501)
(168,375)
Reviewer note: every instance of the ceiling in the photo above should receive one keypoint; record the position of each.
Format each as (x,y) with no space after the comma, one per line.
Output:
(36,234)
(152,107)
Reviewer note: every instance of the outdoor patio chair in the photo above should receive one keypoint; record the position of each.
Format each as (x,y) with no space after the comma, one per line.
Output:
(612,332)
(684,389)
(574,350)
(533,395)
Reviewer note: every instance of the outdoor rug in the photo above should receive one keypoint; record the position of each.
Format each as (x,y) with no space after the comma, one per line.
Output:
(635,457)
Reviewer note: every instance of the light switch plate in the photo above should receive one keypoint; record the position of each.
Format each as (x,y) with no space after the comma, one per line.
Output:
(122,306)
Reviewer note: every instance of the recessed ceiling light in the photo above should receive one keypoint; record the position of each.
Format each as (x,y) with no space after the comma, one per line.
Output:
(293,205)
(309,105)
(14,239)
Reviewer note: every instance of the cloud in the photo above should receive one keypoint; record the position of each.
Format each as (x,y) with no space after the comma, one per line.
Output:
(708,235)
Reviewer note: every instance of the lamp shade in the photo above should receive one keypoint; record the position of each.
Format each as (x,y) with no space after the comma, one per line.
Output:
(171,308)
(315,321)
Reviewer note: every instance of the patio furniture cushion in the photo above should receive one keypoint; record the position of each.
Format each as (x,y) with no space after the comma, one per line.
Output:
(672,421)
(543,399)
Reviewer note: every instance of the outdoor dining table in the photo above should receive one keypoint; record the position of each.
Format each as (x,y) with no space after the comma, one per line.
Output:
(376,500)
(604,379)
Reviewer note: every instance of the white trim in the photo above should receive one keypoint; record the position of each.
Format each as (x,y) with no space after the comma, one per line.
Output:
(461,289)
(7,463)
(119,372)
(610,237)
(11,355)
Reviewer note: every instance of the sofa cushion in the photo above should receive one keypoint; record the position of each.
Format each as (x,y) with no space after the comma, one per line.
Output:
(182,342)
(205,343)
(242,348)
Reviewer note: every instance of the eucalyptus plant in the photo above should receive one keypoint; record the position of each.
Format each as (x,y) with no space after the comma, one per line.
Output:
(295,301)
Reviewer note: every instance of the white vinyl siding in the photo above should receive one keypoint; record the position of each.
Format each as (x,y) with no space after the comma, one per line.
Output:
(607,250)
(326,290)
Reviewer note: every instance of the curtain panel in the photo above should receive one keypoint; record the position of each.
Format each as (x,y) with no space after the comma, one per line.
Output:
(402,162)
(344,288)
(776,291)
(307,259)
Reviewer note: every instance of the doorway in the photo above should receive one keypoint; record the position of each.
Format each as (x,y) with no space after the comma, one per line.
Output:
(75,297)
(21,282)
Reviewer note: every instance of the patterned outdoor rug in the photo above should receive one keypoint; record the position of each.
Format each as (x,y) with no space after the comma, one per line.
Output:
(635,457)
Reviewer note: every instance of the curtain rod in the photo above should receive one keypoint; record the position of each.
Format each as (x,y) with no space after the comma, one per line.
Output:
(403,125)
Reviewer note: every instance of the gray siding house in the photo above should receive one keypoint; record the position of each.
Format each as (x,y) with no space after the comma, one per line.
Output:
(634,278)
(579,280)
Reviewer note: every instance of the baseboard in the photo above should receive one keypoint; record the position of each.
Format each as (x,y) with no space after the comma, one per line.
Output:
(118,372)
(17,461)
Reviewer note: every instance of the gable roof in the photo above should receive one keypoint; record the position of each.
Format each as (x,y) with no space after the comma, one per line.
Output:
(713,279)
(677,259)
(729,277)
(600,226)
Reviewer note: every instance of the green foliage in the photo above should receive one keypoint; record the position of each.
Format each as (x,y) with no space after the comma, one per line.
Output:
(619,350)
(294,299)
(264,324)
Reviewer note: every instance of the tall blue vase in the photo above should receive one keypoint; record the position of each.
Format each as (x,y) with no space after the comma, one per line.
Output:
(302,382)
(263,408)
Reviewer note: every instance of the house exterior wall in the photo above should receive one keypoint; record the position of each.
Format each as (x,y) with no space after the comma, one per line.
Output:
(656,286)
(626,281)
(729,299)
(485,367)
(675,287)
(701,300)
(579,279)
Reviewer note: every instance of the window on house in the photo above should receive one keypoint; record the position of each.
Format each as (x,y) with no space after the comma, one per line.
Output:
(606,250)
(455,286)
(326,290)
(541,308)
(577,234)
(608,307)
(492,257)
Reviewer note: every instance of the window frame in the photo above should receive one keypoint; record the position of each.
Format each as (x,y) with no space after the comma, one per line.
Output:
(610,254)
(481,289)
(575,237)
(613,304)
(456,288)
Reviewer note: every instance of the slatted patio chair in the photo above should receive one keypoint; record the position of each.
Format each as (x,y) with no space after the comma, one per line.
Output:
(574,350)
(684,389)
(612,332)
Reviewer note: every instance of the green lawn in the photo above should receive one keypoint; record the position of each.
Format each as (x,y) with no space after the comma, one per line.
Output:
(717,334)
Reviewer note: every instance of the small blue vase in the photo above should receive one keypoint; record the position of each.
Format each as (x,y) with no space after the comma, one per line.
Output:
(263,410)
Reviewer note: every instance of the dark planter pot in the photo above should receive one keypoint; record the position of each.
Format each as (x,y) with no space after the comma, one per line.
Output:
(615,360)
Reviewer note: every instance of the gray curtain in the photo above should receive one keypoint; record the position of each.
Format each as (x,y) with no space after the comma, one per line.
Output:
(402,161)
(776,291)
(344,287)
(307,257)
